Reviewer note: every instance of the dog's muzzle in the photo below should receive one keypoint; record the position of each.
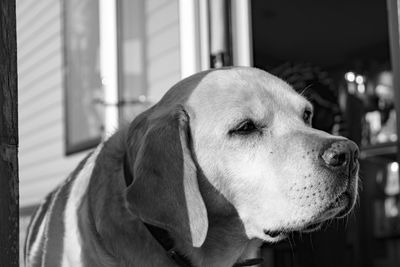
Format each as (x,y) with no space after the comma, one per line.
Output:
(341,157)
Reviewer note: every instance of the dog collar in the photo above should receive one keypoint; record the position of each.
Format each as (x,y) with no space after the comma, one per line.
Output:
(164,239)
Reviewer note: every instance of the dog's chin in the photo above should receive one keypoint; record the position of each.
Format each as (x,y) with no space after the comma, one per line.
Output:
(339,208)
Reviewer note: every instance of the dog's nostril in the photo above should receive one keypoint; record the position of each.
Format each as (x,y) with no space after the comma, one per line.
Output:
(341,155)
(334,158)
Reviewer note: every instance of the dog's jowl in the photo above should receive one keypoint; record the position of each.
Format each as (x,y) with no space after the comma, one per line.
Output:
(226,160)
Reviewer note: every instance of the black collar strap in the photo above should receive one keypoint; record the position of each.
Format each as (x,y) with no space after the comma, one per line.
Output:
(162,236)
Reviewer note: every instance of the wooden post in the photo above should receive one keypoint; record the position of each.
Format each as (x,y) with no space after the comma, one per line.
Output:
(9,210)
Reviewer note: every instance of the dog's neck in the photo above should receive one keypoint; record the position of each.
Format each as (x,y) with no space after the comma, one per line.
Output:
(198,257)
(222,247)
(226,242)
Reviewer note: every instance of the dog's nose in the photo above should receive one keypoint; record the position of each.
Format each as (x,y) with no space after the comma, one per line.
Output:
(341,155)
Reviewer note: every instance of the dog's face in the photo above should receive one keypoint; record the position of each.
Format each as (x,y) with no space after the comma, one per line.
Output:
(253,141)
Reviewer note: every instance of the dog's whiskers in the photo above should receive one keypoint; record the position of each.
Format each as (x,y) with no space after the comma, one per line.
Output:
(302,93)
(360,185)
(311,243)
(291,246)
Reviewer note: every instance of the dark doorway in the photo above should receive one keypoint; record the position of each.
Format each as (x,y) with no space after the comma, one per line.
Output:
(331,34)
(316,46)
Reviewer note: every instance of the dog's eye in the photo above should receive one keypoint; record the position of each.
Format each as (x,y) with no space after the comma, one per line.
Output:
(307,115)
(245,128)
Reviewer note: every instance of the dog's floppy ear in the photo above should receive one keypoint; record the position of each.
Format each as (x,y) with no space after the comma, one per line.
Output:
(165,190)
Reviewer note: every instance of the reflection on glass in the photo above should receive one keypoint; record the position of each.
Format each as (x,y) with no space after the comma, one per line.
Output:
(132,70)
(387,205)
(380,118)
(84,116)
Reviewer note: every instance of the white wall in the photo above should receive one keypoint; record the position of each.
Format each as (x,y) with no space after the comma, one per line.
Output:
(162,45)
(40,80)
(42,163)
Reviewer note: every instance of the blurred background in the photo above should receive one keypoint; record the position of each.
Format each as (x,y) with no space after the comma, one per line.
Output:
(87,66)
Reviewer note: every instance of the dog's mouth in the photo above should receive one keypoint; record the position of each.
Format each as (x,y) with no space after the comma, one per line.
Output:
(282,234)
(276,234)
(339,208)
(342,205)
(307,229)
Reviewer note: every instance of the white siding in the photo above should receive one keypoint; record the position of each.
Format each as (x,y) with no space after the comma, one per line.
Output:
(42,162)
(41,112)
(162,46)
(40,80)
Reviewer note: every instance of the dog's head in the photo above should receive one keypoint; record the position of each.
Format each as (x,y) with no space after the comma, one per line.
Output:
(249,134)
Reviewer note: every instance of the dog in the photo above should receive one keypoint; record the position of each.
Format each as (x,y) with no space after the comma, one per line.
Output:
(226,160)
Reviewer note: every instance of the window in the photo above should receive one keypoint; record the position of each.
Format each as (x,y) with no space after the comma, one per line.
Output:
(131,59)
(83,87)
